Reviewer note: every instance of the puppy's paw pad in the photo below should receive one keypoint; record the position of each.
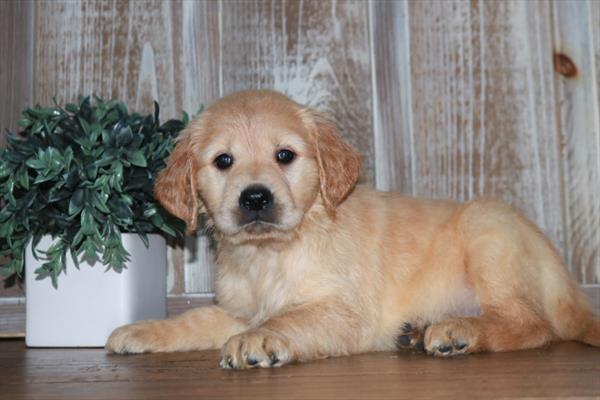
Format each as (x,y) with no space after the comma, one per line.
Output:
(258,348)
(410,337)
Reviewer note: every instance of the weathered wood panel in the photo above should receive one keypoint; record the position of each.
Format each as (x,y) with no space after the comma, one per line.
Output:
(191,270)
(315,51)
(16,48)
(137,51)
(16,54)
(12,317)
(463,94)
(577,47)
(483,105)
(115,49)
(392,96)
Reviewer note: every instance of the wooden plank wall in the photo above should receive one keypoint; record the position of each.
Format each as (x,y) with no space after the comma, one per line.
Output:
(16,47)
(444,98)
(482,95)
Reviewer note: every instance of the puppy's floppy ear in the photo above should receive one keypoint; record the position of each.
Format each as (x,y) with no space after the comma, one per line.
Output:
(339,164)
(175,186)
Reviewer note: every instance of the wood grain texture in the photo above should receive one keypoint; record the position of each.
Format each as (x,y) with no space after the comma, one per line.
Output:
(392,96)
(129,50)
(199,264)
(16,47)
(576,39)
(115,49)
(559,371)
(444,98)
(199,39)
(483,105)
(137,51)
(12,317)
(315,51)
(16,58)
(200,53)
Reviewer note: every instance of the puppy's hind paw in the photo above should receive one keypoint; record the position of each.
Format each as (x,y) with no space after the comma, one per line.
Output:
(410,337)
(450,338)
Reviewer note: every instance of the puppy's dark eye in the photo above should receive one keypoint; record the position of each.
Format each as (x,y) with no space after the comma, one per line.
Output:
(223,161)
(285,156)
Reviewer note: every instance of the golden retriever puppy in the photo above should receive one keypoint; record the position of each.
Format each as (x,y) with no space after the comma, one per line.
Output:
(311,265)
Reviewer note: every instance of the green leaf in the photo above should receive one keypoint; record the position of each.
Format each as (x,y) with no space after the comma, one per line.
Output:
(159,222)
(99,201)
(71,179)
(23,177)
(74,256)
(84,125)
(88,224)
(124,136)
(72,108)
(120,210)
(25,122)
(149,210)
(91,171)
(105,160)
(137,158)
(6,169)
(77,202)
(7,228)
(35,163)
(144,239)
(45,177)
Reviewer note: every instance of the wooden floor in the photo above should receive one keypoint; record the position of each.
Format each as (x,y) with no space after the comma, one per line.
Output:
(563,370)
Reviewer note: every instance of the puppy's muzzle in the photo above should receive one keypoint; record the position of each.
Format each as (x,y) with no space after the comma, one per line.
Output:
(256,204)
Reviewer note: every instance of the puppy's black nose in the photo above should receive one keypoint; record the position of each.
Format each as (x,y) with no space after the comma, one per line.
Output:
(256,198)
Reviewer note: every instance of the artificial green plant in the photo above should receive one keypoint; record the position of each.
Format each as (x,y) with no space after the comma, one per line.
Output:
(82,174)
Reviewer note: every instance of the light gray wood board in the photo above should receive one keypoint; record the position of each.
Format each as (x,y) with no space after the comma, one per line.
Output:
(476,114)
(201,54)
(115,49)
(315,51)
(484,107)
(392,96)
(16,47)
(137,52)
(577,37)
(16,54)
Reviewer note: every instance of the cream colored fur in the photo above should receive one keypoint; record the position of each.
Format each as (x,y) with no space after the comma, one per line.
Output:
(348,269)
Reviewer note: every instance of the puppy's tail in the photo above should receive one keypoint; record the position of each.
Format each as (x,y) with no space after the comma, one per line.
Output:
(591,331)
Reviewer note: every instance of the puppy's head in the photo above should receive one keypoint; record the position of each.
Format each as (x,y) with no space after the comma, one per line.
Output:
(256,162)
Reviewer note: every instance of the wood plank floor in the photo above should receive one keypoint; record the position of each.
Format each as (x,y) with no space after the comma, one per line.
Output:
(562,370)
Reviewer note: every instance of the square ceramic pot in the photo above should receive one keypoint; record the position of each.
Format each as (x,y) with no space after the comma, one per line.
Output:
(90,302)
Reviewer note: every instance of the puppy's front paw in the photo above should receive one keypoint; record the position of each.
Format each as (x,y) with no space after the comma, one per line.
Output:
(450,338)
(256,348)
(141,337)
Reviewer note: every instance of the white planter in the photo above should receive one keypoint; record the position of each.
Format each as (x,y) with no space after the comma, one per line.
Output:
(90,302)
